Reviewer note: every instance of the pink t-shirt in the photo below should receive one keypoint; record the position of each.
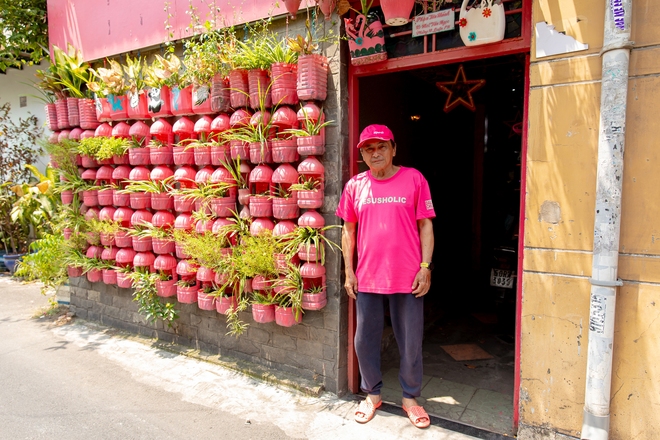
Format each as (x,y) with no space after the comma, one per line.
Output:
(386,212)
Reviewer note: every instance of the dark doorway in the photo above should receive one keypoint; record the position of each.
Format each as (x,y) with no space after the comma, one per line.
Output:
(471,158)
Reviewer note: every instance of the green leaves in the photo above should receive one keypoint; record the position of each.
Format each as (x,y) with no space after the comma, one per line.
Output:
(24,39)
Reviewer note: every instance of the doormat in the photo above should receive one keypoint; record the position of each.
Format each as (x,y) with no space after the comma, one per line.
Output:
(486,318)
(466,352)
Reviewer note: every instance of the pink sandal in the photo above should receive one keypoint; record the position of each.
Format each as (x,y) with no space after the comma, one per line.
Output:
(418,416)
(366,410)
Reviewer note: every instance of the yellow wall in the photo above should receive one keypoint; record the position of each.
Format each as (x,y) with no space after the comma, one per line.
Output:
(564,111)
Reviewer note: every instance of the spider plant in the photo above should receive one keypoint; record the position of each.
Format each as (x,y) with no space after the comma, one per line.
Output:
(148,186)
(309,126)
(306,236)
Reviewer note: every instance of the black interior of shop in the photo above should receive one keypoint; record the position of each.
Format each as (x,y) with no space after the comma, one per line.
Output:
(471,158)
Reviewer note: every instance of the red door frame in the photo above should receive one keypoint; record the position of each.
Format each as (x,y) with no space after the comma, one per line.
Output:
(449,56)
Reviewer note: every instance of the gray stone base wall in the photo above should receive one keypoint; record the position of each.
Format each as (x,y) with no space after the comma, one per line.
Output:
(309,350)
(529,432)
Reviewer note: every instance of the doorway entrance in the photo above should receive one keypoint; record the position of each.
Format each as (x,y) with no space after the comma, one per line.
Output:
(472,160)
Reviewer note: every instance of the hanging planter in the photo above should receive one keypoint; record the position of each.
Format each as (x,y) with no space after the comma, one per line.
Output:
(138,106)
(109,276)
(326,7)
(284,77)
(314,301)
(166,288)
(220,94)
(312,84)
(239,149)
(205,301)
(201,99)
(94,275)
(292,7)
(73,112)
(162,246)
(103,109)
(51,116)
(187,294)
(118,107)
(287,317)
(159,102)
(87,112)
(285,208)
(285,151)
(397,12)
(162,202)
(260,152)
(238,84)
(123,280)
(181,101)
(484,23)
(67,197)
(366,39)
(263,313)
(74,272)
(311,145)
(62,113)
(259,88)
(225,303)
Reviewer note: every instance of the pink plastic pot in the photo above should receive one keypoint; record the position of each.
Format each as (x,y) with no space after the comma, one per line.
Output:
(285,208)
(312,219)
(397,12)
(286,317)
(87,112)
(106,197)
(239,149)
(124,281)
(102,109)
(118,107)
(261,206)
(224,303)
(202,156)
(163,219)
(239,88)
(74,272)
(312,84)
(139,156)
(260,152)
(310,199)
(95,275)
(123,216)
(204,274)
(309,253)
(123,240)
(259,88)
(311,145)
(162,202)
(223,206)
(141,244)
(263,313)
(244,196)
(119,199)
(51,116)
(90,198)
(159,102)
(285,151)
(182,204)
(183,156)
(72,110)
(187,295)
(89,162)
(220,94)
(109,276)
(201,99)
(137,105)
(67,197)
(163,155)
(284,77)
(140,200)
(205,301)
(162,246)
(107,239)
(220,154)
(259,225)
(314,301)
(62,113)
(181,101)
(166,289)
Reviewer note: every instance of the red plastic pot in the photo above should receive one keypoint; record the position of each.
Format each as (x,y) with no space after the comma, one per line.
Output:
(183,156)
(205,301)
(285,151)
(72,110)
(311,145)
(310,199)
(162,202)
(102,109)
(286,317)
(90,197)
(137,105)
(239,88)
(259,225)
(140,200)
(187,295)
(109,276)
(62,113)
(141,244)
(284,209)
(163,155)
(259,88)
(162,246)
(74,272)
(88,161)
(166,289)
(123,280)
(107,239)
(139,156)
(163,219)
(314,301)
(159,102)
(123,240)
(95,275)
(181,101)
(118,107)
(397,12)
(263,313)
(87,112)
(67,197)
(285,77)
(220,94)
(201,99)
(239,149)
(51,116)
(312,84)
(261,206)
(260,152)
(224,303)
(182,204)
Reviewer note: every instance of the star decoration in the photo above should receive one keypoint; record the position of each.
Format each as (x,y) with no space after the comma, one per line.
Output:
(515,125)
(460,90)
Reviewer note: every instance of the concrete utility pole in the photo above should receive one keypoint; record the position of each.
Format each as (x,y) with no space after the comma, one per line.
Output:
(607,222)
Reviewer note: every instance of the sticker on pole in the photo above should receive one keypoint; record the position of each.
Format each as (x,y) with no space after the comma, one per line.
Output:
(601,316)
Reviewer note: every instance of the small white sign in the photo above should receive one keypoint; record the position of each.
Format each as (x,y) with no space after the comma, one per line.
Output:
(433,23)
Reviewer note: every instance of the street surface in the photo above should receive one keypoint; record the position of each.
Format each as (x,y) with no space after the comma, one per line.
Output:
(79,380)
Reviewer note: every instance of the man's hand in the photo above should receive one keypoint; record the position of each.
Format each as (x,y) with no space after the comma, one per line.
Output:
(422,282)
(351,285)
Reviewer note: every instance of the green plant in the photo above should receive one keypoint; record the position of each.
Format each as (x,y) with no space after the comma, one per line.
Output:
(291,291)
(110,146)
(309,126)
(234,168)
(103,226)
(149,303)
(64,154)
(265,299)
(205,54)
(186,282)
(135,71)
(90,146)
(44,262)
(24,39)
(306,183)
(148,186)
(305,237)
(147,230)
(72,72)
(164,72)
(204,248)
(18,145)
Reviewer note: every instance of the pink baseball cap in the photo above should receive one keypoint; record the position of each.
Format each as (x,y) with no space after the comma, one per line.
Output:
(375,132)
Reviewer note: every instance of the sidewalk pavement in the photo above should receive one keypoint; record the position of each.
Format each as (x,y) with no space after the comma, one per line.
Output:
(211,385)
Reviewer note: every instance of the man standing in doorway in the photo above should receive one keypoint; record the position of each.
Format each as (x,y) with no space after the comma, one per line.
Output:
(387,214)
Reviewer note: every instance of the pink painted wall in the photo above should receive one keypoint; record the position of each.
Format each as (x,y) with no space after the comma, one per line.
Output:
(103,28)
